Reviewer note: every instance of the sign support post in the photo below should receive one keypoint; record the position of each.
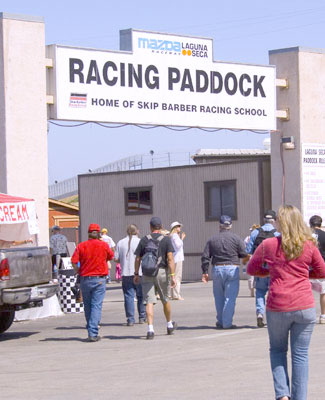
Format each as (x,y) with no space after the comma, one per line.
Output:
(23,113)
(297,148)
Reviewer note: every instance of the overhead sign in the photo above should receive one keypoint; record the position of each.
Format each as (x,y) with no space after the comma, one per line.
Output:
(160,79)
(313,179)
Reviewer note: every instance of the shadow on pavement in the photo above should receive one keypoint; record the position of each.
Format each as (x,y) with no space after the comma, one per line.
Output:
(65,339)
(243,327)
(198,327)
(202,327)
(15,335)
(83,327)
(112,324)
(68,328)
(123,337)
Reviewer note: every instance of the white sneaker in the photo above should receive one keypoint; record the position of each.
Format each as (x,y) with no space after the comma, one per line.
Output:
(321,320)
(260,322)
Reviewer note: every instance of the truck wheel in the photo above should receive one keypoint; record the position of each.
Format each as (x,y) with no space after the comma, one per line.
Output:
(6,319)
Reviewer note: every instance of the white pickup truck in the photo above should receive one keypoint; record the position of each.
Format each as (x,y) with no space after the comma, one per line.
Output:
(25,272)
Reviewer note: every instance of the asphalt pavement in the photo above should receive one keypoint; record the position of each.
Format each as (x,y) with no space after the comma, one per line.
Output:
(50,359)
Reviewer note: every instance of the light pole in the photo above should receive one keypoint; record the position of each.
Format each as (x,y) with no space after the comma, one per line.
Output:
(152,153)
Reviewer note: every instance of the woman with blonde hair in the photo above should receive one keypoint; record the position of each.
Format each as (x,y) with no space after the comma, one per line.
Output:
(292,258)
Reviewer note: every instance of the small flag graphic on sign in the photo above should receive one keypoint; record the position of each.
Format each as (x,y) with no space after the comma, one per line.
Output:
(78,100)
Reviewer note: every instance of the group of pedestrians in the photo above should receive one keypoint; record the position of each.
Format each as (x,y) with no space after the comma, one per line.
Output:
(284,255)
(153,258)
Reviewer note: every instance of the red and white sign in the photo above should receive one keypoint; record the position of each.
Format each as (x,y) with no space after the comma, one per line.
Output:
(13,213)
(14,210)
(17,217)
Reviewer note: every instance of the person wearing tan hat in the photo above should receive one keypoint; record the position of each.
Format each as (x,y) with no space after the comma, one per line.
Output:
(177,237)
(93,255)
(105,238)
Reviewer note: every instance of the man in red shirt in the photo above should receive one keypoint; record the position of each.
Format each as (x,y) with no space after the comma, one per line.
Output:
(93,255)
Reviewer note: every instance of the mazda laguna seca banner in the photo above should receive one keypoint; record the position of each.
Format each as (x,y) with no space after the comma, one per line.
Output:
(160,79)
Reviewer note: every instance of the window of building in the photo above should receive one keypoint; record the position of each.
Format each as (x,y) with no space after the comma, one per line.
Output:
(220,199)
(138,200)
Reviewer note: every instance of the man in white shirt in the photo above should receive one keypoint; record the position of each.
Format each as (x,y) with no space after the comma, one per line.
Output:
(124,254)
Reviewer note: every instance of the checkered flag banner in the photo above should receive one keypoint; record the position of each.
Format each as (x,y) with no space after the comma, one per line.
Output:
(67,280)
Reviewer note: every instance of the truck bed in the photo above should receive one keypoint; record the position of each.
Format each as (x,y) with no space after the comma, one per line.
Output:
(28,266)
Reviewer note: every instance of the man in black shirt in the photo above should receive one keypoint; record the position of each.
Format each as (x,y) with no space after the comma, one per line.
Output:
(224,251)
(315,223)
(162,248)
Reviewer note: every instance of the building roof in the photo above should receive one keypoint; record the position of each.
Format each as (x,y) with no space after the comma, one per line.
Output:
(230,152)
(53,202)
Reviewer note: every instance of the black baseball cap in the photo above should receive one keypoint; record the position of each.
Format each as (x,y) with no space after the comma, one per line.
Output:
(270,214)
(155,221)
(225,220)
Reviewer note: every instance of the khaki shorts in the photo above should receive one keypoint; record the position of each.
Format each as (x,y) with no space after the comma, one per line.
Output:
(151,284)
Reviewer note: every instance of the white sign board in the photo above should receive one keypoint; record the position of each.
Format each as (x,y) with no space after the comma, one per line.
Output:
(17,220)
(165,80)
(17,212)
(313,180)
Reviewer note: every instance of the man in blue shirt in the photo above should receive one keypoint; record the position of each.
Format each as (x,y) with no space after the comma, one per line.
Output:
(262,284)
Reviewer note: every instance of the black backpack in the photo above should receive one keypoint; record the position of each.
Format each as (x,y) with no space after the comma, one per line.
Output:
(150,260)
(262,235)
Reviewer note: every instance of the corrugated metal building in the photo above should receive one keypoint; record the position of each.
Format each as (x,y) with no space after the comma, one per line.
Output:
(194,195)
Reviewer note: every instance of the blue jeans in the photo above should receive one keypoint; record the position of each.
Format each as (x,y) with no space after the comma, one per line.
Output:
(262,286)
(300,324)
(93,292)
(225,291)
(130,290)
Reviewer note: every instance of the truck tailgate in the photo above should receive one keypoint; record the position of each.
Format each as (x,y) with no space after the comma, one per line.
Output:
(28,266)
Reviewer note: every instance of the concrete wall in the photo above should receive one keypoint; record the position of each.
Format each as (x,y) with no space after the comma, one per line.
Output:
(23,118)
(178,194)
(305,70)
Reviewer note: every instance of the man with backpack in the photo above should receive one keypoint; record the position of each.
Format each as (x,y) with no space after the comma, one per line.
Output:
(318,285)
(262,284)
(155,254)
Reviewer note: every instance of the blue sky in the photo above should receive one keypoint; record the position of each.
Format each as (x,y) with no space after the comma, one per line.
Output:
(242,31)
